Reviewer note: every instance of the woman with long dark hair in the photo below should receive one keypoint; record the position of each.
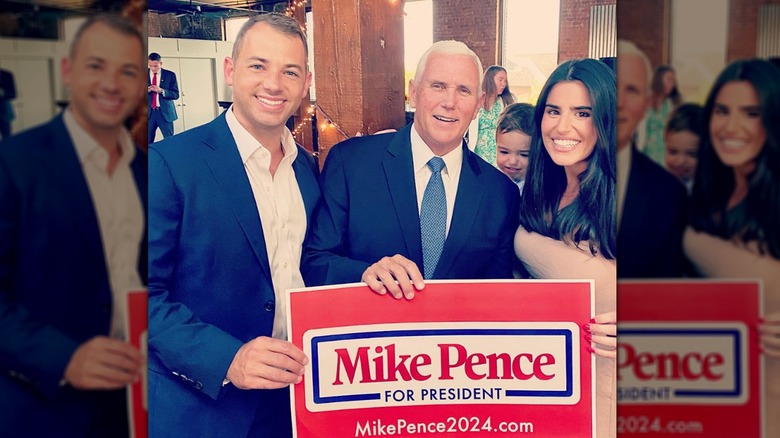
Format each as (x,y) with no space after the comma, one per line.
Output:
(495,85)
(665,99)
(735,204)
(568,207)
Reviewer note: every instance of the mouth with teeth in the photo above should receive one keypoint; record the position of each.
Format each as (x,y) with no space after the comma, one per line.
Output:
(108,104)
(565,144)
(445,119)
(271,103)
(733,144)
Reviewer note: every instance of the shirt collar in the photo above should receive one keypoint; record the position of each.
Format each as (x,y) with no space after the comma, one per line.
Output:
(85,145)
(248,145)
(421,154)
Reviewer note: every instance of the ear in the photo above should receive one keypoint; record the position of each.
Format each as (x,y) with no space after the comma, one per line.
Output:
(228,68)
(412,93)
(480,104)
(65,70)
(308,84)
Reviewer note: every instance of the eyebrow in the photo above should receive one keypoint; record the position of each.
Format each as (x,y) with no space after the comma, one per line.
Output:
(93,58)
(264,60)
(574,107)
(743,108)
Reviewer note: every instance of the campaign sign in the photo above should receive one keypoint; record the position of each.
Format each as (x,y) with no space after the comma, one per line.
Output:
(460,359)
(137,322)
(688,359)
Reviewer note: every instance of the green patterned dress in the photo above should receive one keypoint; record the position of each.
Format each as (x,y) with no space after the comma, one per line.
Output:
(486,139)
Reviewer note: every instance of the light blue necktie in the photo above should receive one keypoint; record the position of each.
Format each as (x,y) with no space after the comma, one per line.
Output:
(433,218)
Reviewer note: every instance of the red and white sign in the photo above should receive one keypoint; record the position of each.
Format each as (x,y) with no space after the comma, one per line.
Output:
(461,358)
(137,323)
(688,359)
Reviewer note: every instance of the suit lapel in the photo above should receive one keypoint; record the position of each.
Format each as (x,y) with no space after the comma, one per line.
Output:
(307,184)
(225,163)
(468,198)
(634,208)
(400,181)
(66,170)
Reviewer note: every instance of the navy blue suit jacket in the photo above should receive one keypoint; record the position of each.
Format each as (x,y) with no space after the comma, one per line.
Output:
(210,287)
(54,285)
(649,242)
(370,211)
(167,81)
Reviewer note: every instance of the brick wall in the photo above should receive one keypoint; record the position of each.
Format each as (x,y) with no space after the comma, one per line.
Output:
(743,27)
(474,22)
(169,26)
(643,22)
(574,30)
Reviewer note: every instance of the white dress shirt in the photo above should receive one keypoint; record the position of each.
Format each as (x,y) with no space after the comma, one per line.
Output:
(450,175)
(282,212)
(119,214)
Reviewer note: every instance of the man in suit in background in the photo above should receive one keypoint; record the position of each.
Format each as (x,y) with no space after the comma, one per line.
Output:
(7,94)
(230,208)
(652,204)
(162,91)
(377,224)
(72,241)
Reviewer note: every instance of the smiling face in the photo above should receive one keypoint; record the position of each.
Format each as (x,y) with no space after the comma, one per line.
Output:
(567,127)
(106,80)
(736,130)
(269,79)
(682,151)
(446,100)
(512,150)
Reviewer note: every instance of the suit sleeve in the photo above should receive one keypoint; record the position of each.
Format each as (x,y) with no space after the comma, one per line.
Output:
(198,352)
(674,265)
(325,258)
(30,350)
(171,90)
(503,258)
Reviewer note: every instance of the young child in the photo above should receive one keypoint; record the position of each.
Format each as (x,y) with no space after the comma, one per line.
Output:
(681,138)
(513,141)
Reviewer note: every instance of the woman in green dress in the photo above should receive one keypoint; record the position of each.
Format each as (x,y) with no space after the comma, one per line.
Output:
(497,96)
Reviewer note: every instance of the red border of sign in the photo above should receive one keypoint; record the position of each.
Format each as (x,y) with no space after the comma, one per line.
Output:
(136,325)
(447,301)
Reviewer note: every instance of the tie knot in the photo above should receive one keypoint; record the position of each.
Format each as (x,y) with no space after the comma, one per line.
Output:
(436,164)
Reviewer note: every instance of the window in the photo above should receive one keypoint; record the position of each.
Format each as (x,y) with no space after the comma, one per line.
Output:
(530,45)
(698,53)
(418,35)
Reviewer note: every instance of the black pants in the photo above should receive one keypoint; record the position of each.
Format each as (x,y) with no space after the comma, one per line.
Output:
(156,120)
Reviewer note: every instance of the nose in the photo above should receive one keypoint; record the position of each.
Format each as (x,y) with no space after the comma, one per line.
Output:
(731,123)
(272,82)
(449,98)
(564,123)
(109,81)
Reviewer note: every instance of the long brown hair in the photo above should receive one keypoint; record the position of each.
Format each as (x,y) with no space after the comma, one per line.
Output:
(489,87)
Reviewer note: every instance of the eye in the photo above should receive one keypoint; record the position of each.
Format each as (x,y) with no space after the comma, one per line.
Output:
(720,110)
(524,154)
(130,73)
(437,86)
(292,73)
(753,112)
(93,66)
(257,67)
(583,114)
(552,111)
(463,91)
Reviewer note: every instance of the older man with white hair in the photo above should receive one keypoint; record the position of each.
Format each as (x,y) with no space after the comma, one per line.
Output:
(651,202)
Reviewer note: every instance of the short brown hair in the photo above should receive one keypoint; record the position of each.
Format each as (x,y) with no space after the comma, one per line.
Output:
(282,23)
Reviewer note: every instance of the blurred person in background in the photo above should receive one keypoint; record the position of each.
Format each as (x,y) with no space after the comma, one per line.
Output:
(495,85)
(734,227)
(72,241)
(567,211)
(513,141)
(682,137)
(665,99)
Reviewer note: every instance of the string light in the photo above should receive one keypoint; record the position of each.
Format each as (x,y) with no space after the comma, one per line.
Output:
(327,122)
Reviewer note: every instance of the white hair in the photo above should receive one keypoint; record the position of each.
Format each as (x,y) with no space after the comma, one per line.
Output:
(448,47)
(625,48)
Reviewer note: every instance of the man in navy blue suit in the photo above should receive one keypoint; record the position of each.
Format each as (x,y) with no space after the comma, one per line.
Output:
(162,90)
(231,203)
(72,241)
(652,204)
(374,189)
